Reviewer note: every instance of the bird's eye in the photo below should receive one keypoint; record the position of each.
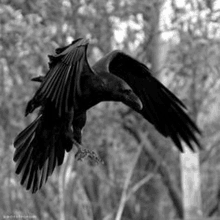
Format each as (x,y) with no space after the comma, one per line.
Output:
(127,91)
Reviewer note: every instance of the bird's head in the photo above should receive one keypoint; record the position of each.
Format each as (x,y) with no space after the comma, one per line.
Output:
(112,87)
(118,90)
(126,95)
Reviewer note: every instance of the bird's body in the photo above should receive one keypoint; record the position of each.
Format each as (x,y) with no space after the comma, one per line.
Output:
(71,87)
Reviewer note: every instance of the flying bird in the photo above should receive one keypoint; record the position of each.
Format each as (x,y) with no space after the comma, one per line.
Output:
(71,87)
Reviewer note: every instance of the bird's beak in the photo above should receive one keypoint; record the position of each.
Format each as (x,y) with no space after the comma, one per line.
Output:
(134,102)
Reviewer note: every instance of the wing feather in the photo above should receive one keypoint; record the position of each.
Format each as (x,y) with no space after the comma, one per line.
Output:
(61,83)
(160,106)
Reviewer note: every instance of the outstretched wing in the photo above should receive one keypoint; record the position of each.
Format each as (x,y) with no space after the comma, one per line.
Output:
(61,84)
(160,106)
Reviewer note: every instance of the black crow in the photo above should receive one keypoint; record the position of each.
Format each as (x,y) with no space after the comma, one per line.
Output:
(70,88)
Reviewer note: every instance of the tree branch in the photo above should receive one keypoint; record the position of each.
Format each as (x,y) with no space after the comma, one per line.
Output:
(126,184)
(173,190)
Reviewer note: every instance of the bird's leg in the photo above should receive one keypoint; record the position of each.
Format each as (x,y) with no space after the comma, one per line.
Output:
(76,140)
(82,153)
(78,124)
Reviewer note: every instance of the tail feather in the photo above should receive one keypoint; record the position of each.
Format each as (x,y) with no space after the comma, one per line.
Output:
(38,150)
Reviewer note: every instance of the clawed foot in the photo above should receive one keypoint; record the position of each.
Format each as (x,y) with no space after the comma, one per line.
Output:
(82,153)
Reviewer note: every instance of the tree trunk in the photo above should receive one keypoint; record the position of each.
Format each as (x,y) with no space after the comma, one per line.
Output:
(191,184)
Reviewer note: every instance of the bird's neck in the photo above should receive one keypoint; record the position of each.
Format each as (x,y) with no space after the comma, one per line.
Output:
(91,92)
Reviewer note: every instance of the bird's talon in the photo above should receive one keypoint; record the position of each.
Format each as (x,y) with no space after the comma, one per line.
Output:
(81,154)
(94,157)
(87,153)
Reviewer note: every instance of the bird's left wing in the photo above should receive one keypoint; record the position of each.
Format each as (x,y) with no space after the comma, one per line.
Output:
(62,82)
(160,106)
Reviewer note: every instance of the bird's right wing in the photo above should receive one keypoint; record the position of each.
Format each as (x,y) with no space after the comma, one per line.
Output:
(160,106)
(61,84)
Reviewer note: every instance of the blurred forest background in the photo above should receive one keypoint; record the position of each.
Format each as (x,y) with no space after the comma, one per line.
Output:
(140,178)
